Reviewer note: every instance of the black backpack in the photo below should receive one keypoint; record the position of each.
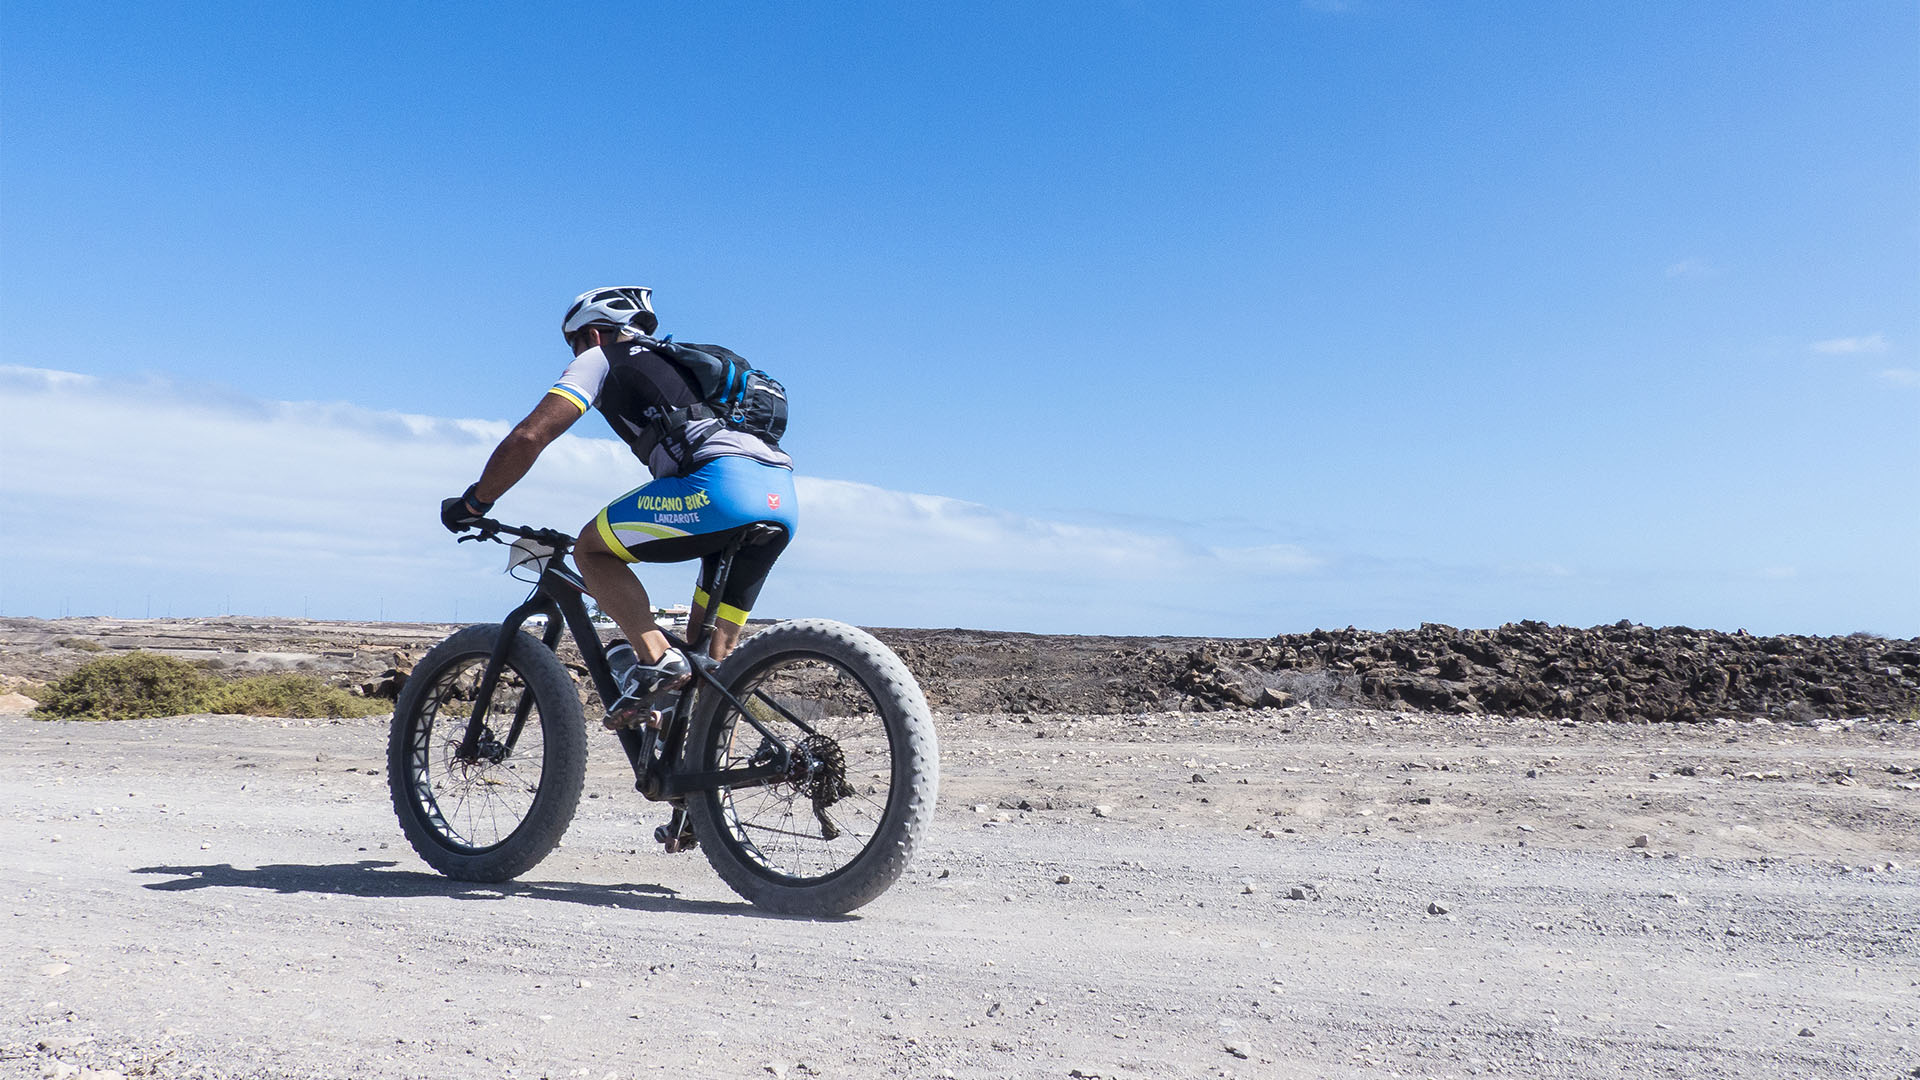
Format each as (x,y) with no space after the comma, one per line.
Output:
(739,395)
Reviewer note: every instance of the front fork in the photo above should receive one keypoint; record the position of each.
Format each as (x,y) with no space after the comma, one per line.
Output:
(477,740)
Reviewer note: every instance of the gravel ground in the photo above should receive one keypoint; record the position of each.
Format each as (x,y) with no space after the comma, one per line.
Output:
(1302,893)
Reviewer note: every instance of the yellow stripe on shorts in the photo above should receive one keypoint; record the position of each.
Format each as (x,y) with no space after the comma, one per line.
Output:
(728,612)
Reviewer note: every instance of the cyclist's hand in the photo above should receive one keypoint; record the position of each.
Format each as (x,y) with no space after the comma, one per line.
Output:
(463,511)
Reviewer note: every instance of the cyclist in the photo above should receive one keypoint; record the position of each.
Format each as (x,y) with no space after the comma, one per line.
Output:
(711,481)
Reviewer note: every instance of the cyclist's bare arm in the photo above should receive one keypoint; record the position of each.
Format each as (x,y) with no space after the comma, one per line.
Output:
(522,446)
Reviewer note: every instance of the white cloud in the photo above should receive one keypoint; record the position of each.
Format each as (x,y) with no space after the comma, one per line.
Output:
(115,489)
(1846,346)
(1692,270)
(1537,570)
(1900,376)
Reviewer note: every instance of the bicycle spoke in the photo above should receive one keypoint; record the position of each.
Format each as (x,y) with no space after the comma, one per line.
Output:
(477,804)
(777,825)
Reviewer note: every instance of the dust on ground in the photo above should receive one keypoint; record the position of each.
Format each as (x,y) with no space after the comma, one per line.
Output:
(1311,891)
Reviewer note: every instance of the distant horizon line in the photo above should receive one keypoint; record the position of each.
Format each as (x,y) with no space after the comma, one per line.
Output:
(1517,623)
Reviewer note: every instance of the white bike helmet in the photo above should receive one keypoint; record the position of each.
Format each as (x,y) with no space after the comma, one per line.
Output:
(615,307)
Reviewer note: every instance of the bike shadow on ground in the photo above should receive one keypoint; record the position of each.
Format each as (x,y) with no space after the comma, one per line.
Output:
(376,878)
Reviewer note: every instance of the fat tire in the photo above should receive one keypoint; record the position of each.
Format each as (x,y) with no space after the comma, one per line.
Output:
(915,766)
(563,767)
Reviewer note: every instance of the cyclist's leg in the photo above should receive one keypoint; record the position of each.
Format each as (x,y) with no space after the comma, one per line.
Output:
(750,569)
(748,493)
(686,517)
(619,592)
(634,528)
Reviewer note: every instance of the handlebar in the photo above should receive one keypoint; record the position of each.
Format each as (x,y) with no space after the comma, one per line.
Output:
(489,529)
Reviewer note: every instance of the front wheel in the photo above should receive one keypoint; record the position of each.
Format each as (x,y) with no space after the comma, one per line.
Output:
(492,814)
(841,824)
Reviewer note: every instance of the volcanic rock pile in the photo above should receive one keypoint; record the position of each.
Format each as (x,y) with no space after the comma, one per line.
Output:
(1621,672)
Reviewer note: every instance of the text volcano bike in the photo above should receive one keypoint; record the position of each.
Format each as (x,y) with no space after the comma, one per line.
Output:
(805,765)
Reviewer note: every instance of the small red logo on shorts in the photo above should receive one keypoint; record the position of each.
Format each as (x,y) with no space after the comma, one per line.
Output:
(773,501)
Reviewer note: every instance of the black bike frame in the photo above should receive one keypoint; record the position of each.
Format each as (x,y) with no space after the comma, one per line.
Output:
(658,756)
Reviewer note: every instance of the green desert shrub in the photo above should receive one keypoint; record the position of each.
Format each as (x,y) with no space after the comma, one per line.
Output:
(80,643)
(287,694)
(135,685)
(125,687)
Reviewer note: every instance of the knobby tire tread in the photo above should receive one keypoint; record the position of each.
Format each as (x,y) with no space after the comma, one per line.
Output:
(904,709)
(563,773)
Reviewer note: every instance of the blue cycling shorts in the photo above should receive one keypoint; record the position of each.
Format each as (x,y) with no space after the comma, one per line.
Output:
(676,518)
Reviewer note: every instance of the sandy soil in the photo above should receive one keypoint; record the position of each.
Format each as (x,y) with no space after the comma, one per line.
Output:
(1305,893)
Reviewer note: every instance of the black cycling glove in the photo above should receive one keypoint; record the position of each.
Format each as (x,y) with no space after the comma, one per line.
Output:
(464,510)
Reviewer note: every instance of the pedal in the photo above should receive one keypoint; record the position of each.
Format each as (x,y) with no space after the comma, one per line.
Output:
(676,835)
(675,844)
(636,719)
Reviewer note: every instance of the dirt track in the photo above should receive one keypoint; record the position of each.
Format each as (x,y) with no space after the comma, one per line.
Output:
(229,897)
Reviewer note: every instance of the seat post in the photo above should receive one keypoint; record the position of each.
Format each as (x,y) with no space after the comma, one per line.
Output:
(760,532)
(714,590)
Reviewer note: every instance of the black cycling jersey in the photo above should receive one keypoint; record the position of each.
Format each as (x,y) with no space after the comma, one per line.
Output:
(624,379)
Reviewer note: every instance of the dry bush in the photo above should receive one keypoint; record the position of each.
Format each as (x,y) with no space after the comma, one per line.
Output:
(288,694)
(137,685)
(125,687)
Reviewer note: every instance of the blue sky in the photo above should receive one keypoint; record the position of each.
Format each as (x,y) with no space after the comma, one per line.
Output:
(1231,318)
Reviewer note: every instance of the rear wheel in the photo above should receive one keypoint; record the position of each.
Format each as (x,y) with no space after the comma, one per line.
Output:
(495,814)
(841,824)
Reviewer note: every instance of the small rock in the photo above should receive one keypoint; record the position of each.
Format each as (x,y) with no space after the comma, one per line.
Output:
(1197,779)
(1240,1050)
(1274,699)
(778,1069)
(1247,887)
(1103,811)
(1437,908)
(1806,1033)
(1063,879)
(1639,841)
(1298,892)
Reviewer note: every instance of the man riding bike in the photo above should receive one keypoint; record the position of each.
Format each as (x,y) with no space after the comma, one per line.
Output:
(712,481)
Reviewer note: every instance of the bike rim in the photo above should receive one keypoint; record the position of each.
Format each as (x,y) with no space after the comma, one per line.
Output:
(475,807)
(775,827)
